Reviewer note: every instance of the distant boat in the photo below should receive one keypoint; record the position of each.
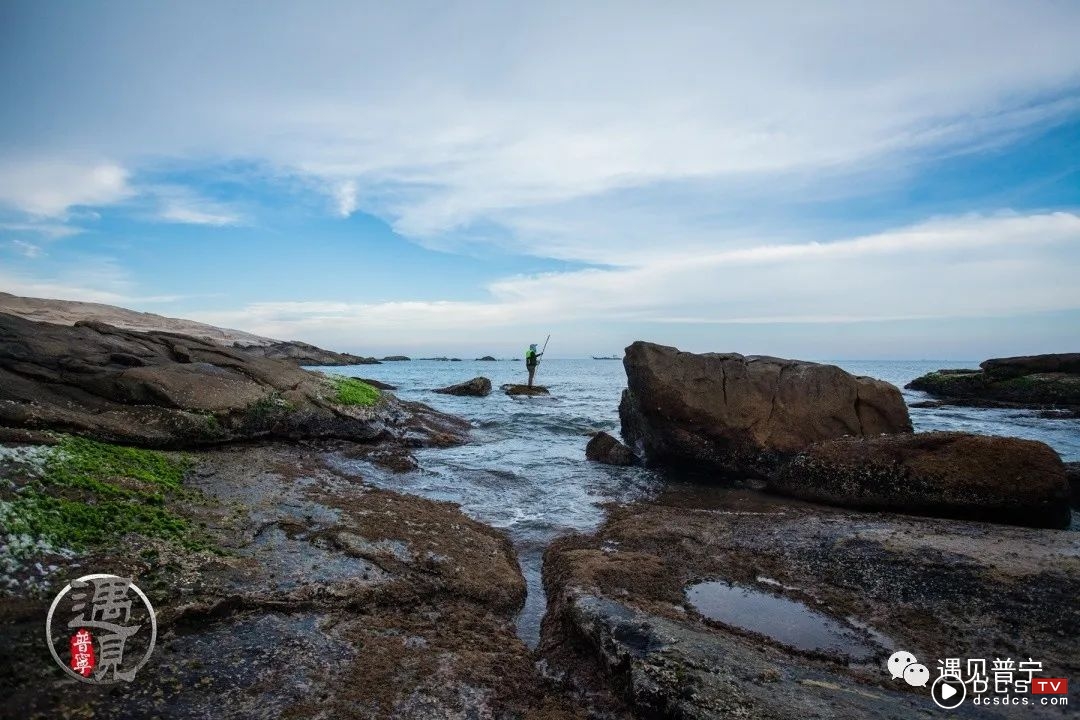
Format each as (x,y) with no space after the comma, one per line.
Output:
(607,357)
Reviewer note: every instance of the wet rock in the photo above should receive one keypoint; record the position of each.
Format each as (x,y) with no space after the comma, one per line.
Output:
(741,416)
(525,390)
(127,386)
(477,387)
(623,613)
(603,448)
(1034,381)
(945,474)
(324,598)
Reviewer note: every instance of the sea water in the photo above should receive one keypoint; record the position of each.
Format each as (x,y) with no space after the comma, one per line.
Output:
(525,471)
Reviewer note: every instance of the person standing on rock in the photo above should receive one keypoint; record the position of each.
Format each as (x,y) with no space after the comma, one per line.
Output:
(532,359)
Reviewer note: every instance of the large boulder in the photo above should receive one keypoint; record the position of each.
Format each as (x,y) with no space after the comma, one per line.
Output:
(1031,381)
(741,415)
(167,390)
(477,387)
(603,448)
(948,474)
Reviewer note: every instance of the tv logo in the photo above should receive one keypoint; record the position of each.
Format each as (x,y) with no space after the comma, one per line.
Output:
(1049,686)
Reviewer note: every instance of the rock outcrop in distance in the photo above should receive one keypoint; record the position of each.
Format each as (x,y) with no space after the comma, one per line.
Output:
(396,358)
(67,312)
(168,390)
(477,387)
(1031,381)
(742,416)
(486,358)
(603,448)
(628,606)
(945,474)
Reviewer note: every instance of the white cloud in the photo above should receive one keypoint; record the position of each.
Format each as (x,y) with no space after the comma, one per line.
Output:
(27,249)
(527,116)
(970,266)
(181,205)
(48,188)
(345,198)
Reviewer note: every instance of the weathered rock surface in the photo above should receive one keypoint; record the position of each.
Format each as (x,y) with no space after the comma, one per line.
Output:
(620,616)
(325,598)
(525,390)
(739,415)
(66,312)
(603,448)
(1036,381)
(161,389)
(477,387)
(304,354)
(945,474)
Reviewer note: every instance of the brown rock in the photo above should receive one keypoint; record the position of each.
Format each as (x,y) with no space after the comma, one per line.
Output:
(534,391)
(134,387)
(740,415)
(477,387)
(603,448)
(945,474)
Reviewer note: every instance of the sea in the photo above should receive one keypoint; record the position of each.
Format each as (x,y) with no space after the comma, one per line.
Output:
(525,469)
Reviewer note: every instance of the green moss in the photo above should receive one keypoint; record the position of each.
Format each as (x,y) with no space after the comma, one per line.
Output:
(350,391)
(91,494)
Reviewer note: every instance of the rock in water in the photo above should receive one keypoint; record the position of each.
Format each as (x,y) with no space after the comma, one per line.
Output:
(605,449)
(740,415)
(477,387)
(945,474)
(534,391)
(1037,380)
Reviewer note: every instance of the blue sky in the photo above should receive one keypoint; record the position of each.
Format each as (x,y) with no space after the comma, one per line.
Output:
(869,180)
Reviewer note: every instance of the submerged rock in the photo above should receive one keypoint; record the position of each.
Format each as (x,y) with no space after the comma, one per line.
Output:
(741,415)
(1035,381)
(159,389)
(830,594)
(603,448)
(477,387)
(945,474)
(534,391)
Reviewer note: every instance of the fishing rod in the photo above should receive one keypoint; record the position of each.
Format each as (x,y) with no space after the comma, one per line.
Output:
(541,353)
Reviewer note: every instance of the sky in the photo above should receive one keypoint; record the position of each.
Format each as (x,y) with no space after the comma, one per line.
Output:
(830,180)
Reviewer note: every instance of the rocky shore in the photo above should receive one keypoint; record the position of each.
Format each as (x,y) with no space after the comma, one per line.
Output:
(830,595)
(1049,382)
(286,585)
(299,592)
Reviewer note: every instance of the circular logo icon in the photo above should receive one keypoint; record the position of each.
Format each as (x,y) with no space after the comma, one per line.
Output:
(101,629)
(948,692)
